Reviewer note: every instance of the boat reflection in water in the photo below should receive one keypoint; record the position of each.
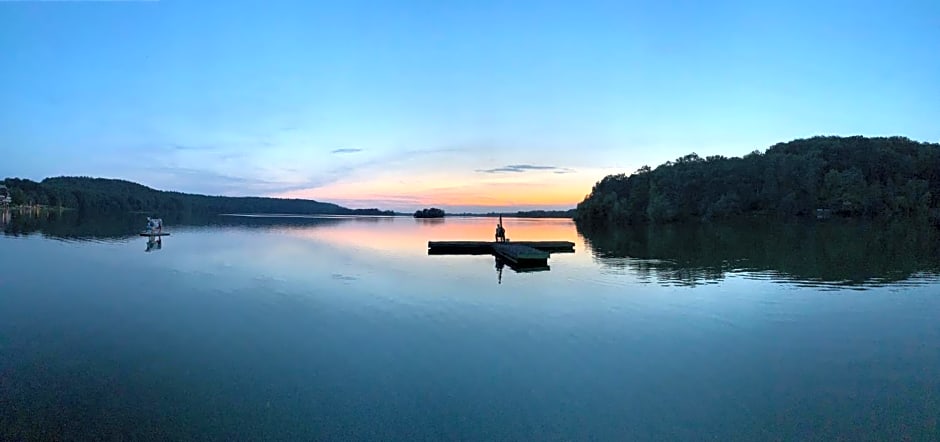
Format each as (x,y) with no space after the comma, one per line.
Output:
(154,243)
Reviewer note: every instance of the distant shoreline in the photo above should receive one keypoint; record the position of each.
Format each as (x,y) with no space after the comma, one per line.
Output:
(104,195)
(305,215)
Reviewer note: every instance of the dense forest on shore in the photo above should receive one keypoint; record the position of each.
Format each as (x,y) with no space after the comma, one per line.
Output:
(845,176)
(109,195)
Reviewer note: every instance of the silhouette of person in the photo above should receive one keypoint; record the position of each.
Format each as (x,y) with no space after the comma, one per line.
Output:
(500,231)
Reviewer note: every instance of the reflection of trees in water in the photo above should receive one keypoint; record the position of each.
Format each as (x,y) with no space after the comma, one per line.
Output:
(75,225)
(429,221)
(850,253)
(502,264)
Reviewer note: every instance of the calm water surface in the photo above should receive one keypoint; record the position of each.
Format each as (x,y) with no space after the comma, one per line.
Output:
(344,328)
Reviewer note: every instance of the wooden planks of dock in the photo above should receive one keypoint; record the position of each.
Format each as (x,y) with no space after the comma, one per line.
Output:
(534,253)
(486,247)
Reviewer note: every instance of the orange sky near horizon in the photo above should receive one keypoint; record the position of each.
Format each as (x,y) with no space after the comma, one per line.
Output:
(462,192)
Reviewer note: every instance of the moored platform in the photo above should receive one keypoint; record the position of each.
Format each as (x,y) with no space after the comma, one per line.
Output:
(486,247)
(532,254)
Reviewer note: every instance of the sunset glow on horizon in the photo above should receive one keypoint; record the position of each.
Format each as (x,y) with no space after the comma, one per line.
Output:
(458,193)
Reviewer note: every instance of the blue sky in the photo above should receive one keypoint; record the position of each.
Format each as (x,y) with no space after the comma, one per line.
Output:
(407,104)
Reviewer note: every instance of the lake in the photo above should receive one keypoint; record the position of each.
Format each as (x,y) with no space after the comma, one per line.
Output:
(339,328)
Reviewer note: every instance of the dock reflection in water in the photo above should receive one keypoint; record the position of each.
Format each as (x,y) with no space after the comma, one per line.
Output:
(503,263)
(521,257)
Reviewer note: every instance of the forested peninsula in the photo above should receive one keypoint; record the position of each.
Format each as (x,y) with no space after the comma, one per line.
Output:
(839,176)
(110,195)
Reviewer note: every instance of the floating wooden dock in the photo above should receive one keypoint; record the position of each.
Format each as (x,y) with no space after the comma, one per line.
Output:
(522,253)
(486,247)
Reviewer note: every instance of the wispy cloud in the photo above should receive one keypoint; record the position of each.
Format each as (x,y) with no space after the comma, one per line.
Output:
(232,156)
(210,182)
(346,150)
(382,201)
(519,168)
(192,147)
(384,161)
(166,172)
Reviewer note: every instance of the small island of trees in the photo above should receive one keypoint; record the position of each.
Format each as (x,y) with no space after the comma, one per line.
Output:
(429,213)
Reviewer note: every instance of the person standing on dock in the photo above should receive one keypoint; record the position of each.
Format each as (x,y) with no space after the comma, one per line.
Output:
(500,231)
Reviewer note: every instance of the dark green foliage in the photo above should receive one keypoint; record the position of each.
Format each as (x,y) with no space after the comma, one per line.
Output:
(429,213)
(850,176)
(107,195)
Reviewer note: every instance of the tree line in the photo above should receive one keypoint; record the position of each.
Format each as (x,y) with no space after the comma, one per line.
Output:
(110,195)
(845,176)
